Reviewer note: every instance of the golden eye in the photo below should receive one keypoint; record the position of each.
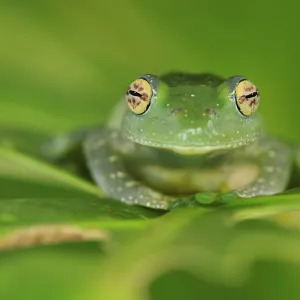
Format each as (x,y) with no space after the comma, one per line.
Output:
(247,97)
(139,96)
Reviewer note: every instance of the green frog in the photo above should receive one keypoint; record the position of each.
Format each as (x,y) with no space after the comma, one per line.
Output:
(182,134)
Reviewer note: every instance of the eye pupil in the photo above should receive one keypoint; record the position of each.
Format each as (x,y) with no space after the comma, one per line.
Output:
(135,93)
(251,95)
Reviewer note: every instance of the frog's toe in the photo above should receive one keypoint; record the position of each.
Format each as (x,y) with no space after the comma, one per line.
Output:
(205,198)
(227,197)
(198,199)
(215,198)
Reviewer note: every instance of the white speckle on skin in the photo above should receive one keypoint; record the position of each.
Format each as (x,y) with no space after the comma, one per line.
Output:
(269,169)
(272,154)
(188,132)
(168,104)
(130,184)
(128,147)
(120,174)
(112,175)
(183,136)
(198,130)
(100,143)
(210,124)
(114,135)
(112,158)
(119,189)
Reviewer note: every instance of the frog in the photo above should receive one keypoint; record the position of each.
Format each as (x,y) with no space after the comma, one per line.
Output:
(180,134)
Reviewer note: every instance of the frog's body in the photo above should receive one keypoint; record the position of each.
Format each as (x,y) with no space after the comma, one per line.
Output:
(182,134)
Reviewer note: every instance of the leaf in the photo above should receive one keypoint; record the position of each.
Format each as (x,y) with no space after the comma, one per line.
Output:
(63,65)
(213,245)
(16,165)
(48,272)
(33,192)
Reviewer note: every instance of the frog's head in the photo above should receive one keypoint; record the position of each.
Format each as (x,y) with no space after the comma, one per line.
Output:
(191,113)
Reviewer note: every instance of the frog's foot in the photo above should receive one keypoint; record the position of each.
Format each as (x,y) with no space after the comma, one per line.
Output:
(275,163)
(108,171)
(199,199)
(205,199)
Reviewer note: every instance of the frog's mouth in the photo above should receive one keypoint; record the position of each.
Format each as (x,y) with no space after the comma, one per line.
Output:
(201,149)
(194,149)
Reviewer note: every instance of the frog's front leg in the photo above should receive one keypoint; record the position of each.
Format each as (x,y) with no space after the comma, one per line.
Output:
(274,161)
(59,147)
(103,152)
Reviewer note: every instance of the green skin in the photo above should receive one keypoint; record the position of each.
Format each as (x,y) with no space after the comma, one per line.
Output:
(191,140)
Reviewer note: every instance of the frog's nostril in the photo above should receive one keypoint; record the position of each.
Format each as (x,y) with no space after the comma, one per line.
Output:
(176,111)
(210,111)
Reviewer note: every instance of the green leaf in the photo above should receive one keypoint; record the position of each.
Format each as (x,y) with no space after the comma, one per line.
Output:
(17,165)
(48,272)
(34,192)
(211,245)
(63,65)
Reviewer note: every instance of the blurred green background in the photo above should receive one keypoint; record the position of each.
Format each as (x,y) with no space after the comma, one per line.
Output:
(63,66)
(64,63)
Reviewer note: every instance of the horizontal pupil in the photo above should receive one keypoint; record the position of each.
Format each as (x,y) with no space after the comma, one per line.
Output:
(251,95)
(134,93)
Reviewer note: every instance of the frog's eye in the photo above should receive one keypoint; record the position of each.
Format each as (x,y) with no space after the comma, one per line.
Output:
(139,96)
(247,97)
